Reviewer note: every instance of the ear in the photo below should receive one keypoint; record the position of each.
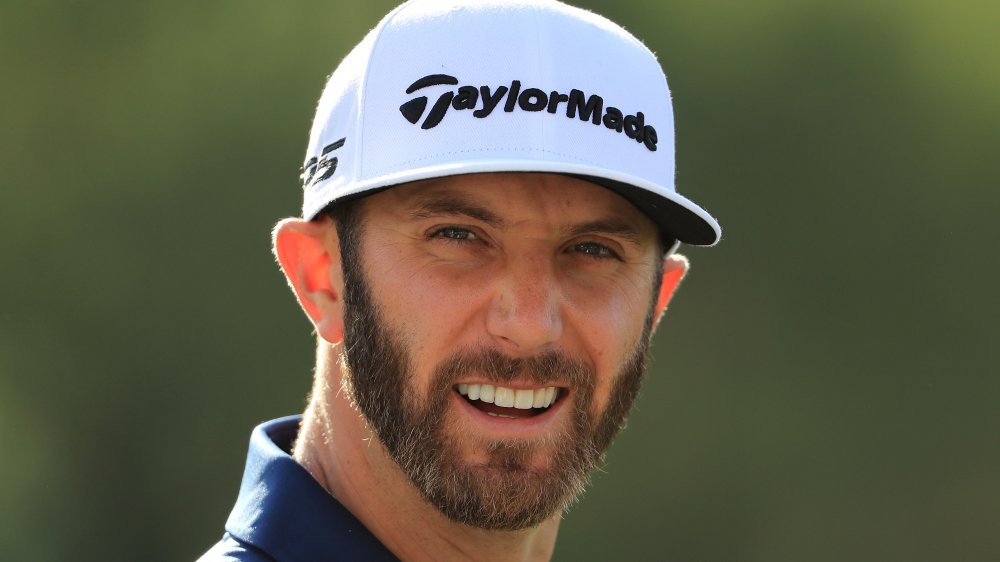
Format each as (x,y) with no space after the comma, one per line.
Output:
(309,255)
(675,266)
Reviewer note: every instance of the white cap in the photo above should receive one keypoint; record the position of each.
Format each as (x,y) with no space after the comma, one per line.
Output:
(446,87)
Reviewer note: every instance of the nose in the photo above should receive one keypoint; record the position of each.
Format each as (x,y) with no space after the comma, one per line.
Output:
(525,314)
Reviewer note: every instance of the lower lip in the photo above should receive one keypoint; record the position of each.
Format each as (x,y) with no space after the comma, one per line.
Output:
(513,427)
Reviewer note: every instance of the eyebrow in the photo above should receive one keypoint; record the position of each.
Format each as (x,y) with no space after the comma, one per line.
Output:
(610,226)
(451,205)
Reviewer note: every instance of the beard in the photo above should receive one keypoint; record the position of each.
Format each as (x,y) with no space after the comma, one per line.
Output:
(508,491)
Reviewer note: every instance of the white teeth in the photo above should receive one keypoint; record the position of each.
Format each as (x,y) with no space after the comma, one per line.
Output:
(522,399)
(504,397)
(486,393)
(539,400)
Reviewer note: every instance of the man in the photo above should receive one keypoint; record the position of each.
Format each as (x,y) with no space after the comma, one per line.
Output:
(487,243)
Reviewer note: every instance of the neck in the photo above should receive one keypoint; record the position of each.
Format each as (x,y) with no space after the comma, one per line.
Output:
(343,455)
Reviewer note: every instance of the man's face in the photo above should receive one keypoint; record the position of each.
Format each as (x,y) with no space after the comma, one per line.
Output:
(532,291)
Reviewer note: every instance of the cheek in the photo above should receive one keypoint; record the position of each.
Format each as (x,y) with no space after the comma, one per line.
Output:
(609,317)
(431,309)
(431,317)
(610,329)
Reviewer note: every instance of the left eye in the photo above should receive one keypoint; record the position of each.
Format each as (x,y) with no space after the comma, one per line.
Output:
(594,249)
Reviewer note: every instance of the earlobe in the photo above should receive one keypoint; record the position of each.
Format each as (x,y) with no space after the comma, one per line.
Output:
(675,267)
(308,253)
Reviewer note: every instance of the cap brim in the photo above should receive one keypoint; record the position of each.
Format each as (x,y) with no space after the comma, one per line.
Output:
(677,216)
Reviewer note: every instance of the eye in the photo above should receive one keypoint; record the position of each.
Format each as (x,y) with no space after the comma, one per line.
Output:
(455,233)
(594,250)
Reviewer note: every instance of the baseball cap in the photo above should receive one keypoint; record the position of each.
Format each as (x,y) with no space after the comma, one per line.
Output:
(446,87)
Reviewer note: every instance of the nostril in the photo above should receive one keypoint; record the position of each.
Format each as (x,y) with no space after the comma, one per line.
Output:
(525,329)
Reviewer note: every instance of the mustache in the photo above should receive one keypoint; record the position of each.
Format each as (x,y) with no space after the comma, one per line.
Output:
(546,367)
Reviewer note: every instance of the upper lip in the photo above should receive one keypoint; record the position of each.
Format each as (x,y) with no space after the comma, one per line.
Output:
(516,385)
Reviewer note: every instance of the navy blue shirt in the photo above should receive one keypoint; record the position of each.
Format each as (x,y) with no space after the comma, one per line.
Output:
(283,514)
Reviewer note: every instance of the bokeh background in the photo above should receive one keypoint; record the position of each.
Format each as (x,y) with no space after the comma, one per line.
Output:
(823,389)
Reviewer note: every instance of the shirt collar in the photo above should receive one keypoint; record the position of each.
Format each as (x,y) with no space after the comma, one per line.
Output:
(283,511)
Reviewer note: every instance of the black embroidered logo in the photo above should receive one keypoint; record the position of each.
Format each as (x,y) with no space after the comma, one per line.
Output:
(320,168)
(414,108)
(588,108)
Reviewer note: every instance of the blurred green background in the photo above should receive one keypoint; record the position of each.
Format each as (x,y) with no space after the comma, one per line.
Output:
(823,389)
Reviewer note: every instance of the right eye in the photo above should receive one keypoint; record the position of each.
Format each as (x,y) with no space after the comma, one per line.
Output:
(455,233)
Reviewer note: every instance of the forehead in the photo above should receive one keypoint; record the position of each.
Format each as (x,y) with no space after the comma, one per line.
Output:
(513,199)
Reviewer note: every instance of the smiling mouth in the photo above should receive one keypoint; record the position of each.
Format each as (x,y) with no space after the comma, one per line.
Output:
(503,402)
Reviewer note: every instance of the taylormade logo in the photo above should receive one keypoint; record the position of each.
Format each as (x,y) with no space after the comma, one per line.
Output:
(577,104)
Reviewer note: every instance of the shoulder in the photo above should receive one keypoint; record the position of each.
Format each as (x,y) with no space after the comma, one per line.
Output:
(232,550)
